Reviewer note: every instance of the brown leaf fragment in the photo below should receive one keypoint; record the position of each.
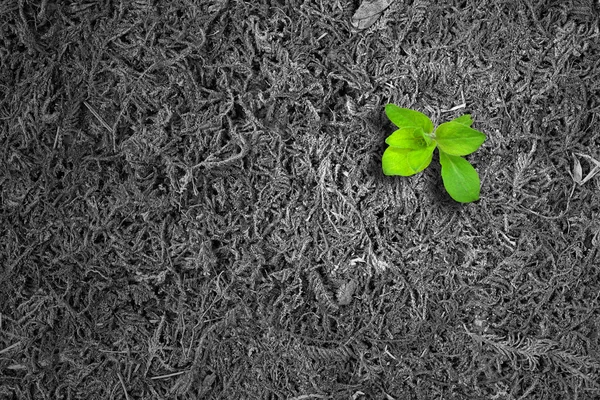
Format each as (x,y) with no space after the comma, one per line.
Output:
(577,173)
(345,292)
(368,12)
(577,170)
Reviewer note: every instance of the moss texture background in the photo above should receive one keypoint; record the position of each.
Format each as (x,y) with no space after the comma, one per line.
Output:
(192,202)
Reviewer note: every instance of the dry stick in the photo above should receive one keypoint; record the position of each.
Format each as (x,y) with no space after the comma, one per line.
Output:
(9,348)
(169,375)
(56,138)
(104,124)
(562,213)
(123,384)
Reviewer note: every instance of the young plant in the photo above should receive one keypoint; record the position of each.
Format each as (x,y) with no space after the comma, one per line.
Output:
(411,149)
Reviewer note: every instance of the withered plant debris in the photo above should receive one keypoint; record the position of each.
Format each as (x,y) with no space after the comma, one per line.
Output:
(192,204)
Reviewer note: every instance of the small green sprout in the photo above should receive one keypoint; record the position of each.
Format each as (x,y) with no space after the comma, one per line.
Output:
(411,149)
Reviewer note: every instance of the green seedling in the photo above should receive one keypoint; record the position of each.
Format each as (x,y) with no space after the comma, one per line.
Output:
(411,149)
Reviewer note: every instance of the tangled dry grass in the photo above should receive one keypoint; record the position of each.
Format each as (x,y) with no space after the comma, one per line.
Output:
(192,203)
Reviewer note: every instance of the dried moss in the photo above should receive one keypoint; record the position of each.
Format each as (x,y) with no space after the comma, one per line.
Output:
(192,204)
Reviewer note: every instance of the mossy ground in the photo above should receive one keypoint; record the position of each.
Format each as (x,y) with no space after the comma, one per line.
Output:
(192,202)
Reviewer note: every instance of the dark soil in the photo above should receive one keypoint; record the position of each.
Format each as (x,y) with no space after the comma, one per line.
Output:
(192,204)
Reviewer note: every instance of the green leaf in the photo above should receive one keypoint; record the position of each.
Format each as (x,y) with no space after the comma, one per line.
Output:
(406,162)
(457,139)
(460,178)
(419,159)
(405,118)
(464,119)
(408,138)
